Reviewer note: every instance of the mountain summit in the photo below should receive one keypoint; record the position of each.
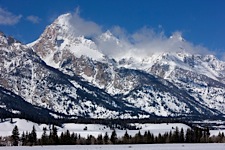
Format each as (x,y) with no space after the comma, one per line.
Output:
(72,75)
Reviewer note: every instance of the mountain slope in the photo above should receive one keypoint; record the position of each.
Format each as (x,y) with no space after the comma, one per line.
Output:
(201,76)
(69,73)
(158,96)
(185,73)
(25,74)
(12,105)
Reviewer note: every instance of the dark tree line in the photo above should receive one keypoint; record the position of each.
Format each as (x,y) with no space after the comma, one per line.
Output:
(194,135)
(28,138)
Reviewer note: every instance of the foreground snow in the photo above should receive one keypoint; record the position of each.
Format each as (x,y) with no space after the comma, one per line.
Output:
(125,147)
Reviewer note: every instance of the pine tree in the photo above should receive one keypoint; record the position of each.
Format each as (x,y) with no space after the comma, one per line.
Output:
(44,137)
(15,136)
(145,138)
(33,136)
(99,139)
(160,138)
(207,134)
(23,139)
(170,137)
(181,139)
(106,138)
(67,137)
(90,140)
(62,139)
(113,138)
(138,138)
(188,137)
(27,137)
(73,138)
(150,138)
(220,137)
(197,134)
(176,135)
(126,138)
(53,136)
(165,137)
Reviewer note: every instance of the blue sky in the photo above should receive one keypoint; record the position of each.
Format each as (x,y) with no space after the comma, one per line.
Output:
(202,22)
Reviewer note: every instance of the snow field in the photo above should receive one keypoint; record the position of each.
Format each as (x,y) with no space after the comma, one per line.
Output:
(92,129)
(124,147)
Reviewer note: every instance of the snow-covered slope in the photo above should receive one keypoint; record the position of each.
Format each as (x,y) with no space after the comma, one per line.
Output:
(201,76)
(26,75)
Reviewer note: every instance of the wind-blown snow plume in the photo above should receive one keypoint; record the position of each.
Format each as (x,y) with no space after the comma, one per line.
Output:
(82,27)
(117,43)
(145,42)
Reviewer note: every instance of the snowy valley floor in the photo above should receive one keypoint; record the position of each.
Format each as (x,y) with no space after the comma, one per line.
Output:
(92,129)
(124,147)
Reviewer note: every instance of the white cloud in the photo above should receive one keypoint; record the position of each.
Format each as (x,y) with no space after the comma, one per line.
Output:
(8,18)
(223,57)
(114,46)
(145,42)
(33,19)
(221,54)
(84,27)
(142,43)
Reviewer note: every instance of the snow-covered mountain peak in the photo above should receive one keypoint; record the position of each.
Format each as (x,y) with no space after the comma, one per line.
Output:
(108,36)
(60,41)
(63,19)
(63,26)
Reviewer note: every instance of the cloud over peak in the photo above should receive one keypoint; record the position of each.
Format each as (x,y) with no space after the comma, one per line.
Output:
(8,18)
(145,42)
(79,26)
(118,43)
(33,19)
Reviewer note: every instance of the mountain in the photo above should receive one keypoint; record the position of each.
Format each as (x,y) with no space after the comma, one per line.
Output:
(26,75)
(70,75)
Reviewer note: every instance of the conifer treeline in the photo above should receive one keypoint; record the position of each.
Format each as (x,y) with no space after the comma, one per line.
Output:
(195,135)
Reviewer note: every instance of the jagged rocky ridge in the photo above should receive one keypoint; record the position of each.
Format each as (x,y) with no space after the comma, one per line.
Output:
(66,73)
